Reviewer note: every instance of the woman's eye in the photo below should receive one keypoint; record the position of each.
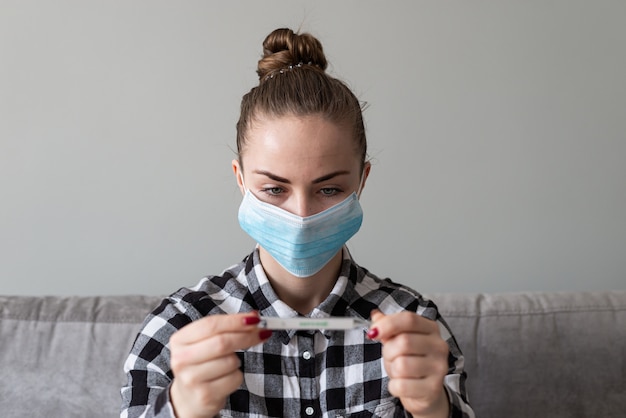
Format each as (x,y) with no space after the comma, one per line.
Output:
(329,191)
(273,191)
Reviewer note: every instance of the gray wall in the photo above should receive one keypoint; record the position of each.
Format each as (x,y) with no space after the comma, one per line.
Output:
(497,131)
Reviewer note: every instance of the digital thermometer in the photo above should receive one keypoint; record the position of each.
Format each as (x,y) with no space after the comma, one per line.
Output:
(301,323)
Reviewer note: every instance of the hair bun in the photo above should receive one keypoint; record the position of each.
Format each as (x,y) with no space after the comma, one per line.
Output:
(283,48)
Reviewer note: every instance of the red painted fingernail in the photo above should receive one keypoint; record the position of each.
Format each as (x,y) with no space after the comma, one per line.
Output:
(251,320)
(265,334)
(372,333)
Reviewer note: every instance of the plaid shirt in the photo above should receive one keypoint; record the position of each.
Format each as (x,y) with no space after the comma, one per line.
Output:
(295,373)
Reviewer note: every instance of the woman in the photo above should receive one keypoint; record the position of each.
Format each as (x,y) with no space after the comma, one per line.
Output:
(301,168)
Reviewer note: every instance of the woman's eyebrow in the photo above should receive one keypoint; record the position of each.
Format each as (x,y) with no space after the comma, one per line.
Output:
(272,176)
(317,180)
(330,176)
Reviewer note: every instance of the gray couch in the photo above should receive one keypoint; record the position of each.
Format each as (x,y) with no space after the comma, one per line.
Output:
(527,354)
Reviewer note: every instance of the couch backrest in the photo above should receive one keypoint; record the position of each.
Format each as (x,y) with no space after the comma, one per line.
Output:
(527,354)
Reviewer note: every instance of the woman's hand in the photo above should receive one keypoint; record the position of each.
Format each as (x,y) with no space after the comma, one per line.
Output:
(204,363)
(416,360)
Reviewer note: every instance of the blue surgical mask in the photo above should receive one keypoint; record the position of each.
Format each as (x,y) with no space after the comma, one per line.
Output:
(302,246)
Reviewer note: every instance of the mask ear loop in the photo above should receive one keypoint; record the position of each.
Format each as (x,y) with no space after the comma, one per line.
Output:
(243,183)
(358,193)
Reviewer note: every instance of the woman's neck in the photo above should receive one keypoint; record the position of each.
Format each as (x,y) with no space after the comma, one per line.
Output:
(302,294)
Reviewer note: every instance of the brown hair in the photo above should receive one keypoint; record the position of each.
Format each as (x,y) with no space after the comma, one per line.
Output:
(293,81)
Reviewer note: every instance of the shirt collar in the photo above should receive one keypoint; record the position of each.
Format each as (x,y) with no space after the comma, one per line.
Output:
(339,302)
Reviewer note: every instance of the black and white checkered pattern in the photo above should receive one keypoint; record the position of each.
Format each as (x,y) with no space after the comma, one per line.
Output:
(294,373)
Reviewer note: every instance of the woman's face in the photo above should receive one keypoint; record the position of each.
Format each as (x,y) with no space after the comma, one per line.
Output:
(300,164)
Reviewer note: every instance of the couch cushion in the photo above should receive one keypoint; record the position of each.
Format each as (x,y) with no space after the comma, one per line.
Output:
(63,357)
(542,354)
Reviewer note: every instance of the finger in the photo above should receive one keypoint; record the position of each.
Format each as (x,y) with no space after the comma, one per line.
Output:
(216,346)
(214,324)
(415,367)
(388,326)
(219,389)
(413,344)
(208,371)
(206,396)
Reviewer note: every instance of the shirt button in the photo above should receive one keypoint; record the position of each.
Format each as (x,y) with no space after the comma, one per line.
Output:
(307,356)
(309,410)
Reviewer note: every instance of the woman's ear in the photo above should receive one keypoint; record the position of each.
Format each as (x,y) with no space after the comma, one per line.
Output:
(238,175)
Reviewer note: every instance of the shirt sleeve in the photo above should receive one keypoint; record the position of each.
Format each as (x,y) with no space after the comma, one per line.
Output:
(454,381)
(459,407)
(147,368)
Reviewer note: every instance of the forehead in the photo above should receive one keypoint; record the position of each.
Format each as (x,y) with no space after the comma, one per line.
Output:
(306,142)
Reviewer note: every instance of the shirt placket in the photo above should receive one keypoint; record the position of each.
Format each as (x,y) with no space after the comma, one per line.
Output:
(310,404)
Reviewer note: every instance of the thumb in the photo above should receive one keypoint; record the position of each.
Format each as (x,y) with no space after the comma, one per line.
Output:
(376,314)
